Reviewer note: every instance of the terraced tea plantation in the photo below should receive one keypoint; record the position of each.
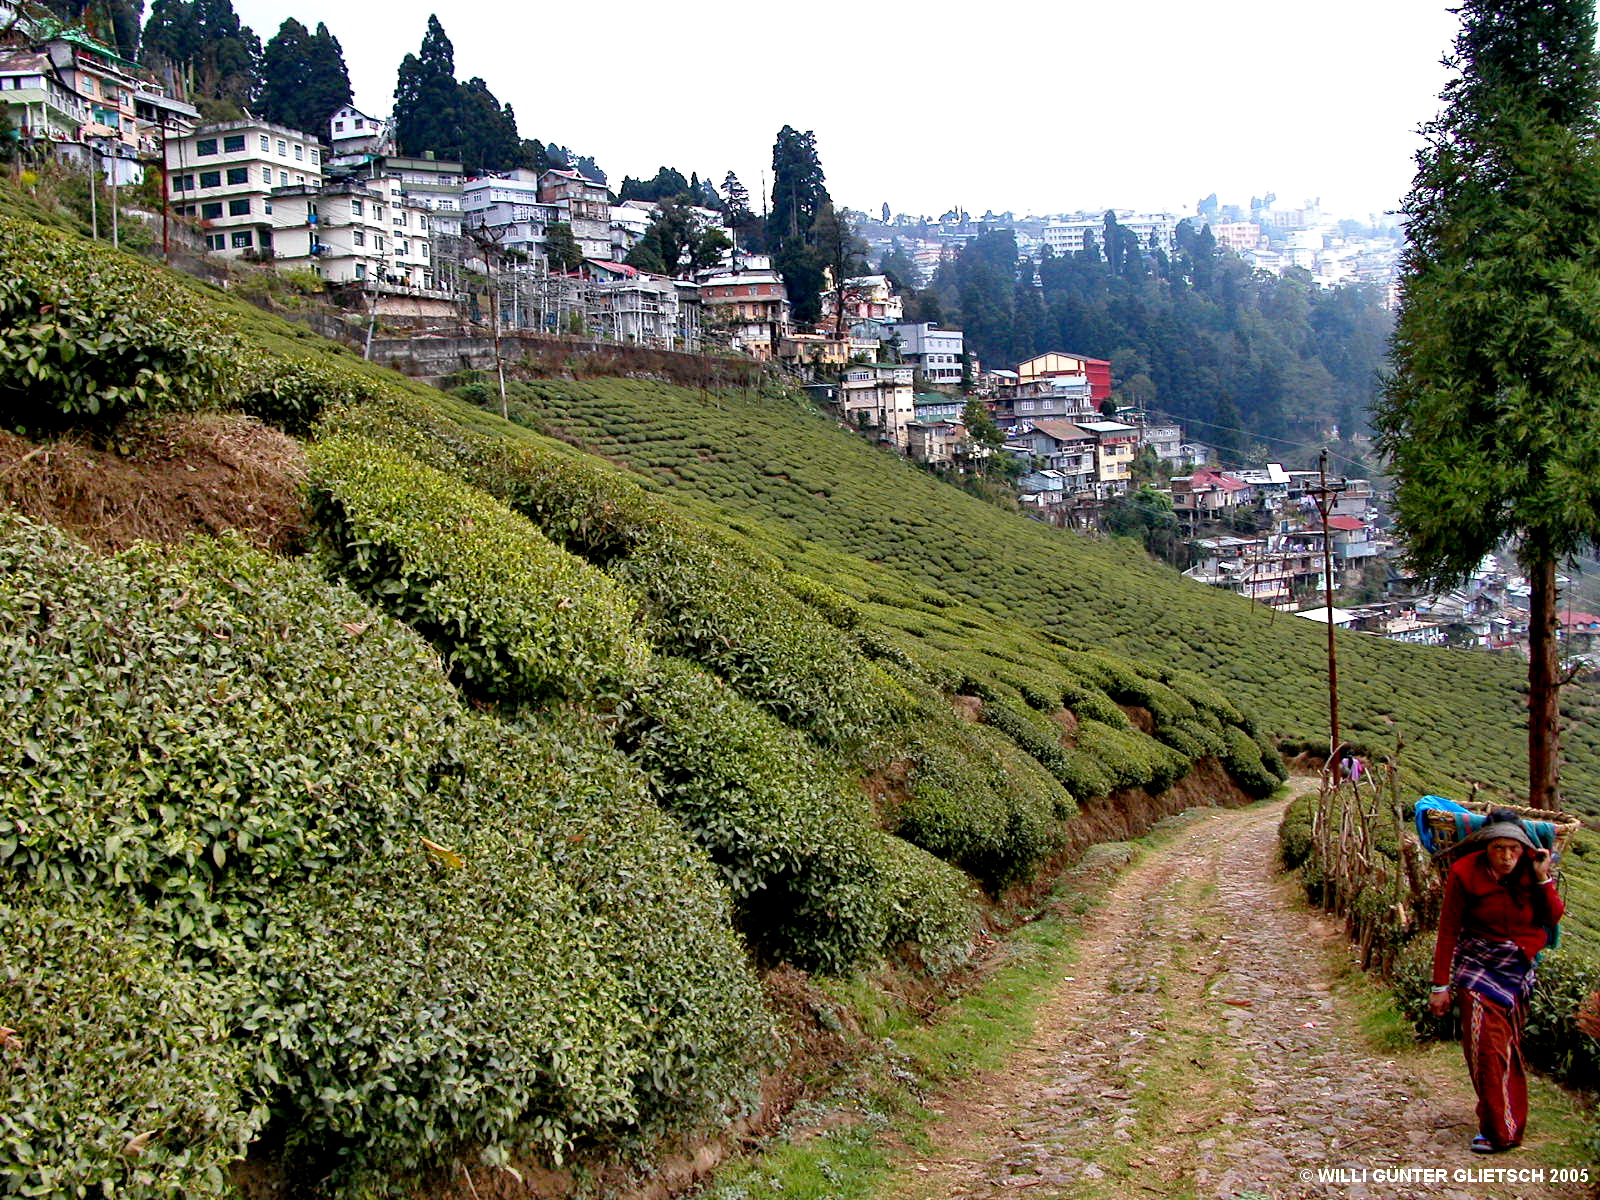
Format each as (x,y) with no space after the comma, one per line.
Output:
(947,569)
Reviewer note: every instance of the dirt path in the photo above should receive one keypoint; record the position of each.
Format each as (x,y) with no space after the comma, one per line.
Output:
(1195,1049)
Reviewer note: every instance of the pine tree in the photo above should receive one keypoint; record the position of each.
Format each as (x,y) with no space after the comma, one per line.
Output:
(1491,419)
(427,97)
(171,33)
(284,63)
(327,82)
(798,194)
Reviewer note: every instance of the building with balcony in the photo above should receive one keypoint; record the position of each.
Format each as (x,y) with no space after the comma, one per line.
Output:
(355,231)
(353,132)
(38,105)
(224,175)
(1115,443)
(1058,363)
(750,308)
(583,204)
(878,396)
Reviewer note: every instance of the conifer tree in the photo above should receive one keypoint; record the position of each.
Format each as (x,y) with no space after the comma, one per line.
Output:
(1491,418)
(427,97)
(798,194)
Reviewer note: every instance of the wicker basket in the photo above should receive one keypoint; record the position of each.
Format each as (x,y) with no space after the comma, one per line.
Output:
(1443,826)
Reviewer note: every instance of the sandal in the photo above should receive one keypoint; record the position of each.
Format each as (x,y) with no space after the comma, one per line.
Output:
(1482,1145)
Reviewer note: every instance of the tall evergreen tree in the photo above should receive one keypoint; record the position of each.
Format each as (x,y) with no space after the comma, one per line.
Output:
(427,98)
(227,63)
(171,33)
(1491,419)
(327,81)
(284,64)
(798,193)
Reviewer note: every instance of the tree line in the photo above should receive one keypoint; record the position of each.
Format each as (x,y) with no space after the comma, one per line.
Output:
(1193,332)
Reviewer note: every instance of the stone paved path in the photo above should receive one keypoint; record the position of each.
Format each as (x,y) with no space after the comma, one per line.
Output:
(1195,1049)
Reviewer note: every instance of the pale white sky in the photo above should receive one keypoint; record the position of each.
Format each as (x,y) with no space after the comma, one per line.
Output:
(999,105)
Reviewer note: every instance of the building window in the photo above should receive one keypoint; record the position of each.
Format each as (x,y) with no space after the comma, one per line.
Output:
(238,174)
(183,183)
(358,207)
(210,179)
(266,176)
(400,217)
(361,270)
(283,179)
(316,155)
(299,152)
(241,240)
(266,143)
(266,207)
(361,237)
(425,253)
(216,241)
(233,144)
(377,212)
(338,126)
(400,249)
(204,147)
(380,243)
(283,148)
(239,208)
(212,211)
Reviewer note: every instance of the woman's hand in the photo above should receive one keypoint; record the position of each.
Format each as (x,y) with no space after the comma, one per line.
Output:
(1439,1003)
(1541,865)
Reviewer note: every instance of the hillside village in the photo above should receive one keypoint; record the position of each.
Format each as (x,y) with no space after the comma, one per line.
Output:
(416,242)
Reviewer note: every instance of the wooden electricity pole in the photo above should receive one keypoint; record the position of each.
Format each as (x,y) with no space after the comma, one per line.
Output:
(1325,497)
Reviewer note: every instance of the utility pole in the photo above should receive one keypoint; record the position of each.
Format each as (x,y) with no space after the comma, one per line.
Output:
(94,204)
(1325,496)
(116,239)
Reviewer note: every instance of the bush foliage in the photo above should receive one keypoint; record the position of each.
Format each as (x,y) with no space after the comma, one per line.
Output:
(442,935)
(519,620)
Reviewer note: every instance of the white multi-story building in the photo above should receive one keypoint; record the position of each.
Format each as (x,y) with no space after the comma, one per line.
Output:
(509,208)
(933,351)
(355,231)
(1070,236)
(225,175)
(39,105)
(351,131)
(435,183)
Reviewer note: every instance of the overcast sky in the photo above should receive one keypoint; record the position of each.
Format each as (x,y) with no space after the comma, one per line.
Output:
(999,105)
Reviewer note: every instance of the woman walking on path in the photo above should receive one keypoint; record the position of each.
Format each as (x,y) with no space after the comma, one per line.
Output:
(1500,906)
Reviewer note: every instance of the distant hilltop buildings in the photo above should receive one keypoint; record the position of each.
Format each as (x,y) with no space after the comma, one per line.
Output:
(1332,250)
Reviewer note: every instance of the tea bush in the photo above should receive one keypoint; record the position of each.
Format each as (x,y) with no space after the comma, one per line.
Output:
(793,843)
(1244,762)
(884,533)
(88,334)
(975,802)
(520,621)
(291,393)
(930,907)
(1551,1038)
(125,1077)
(237,765)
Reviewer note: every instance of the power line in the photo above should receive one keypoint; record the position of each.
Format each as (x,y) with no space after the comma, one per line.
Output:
(1250,434)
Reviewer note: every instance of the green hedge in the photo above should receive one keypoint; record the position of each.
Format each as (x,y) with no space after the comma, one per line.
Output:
(976,802)
(126,1077)
(1551,1039)
(88,334)
(292,393)
(233,766)
(792,839)
(1244,762)
(520,621)
(930,908)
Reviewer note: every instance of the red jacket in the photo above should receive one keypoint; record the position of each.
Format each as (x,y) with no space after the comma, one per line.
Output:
(1475,902)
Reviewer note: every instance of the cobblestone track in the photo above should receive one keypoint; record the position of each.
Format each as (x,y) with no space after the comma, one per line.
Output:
(1195,1049)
